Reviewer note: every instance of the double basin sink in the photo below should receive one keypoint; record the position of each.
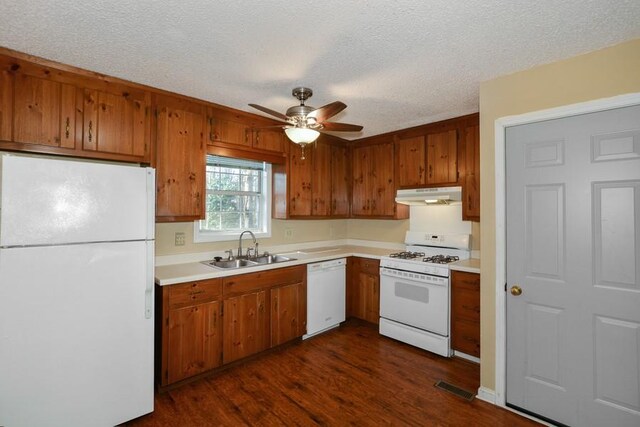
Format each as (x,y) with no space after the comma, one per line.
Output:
(244,262)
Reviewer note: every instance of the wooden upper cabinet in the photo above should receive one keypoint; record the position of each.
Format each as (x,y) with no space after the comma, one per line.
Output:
(442,160)
(44,112)
(237,131)
(361,164)
(300,175)
(470,173)
(36,109)
(374,190)
(117,122)
(44,109)
(228,131)
(315,188)
(269,140)
(321,180)
(382,180)
(340,178)
(410,161)
(180,160)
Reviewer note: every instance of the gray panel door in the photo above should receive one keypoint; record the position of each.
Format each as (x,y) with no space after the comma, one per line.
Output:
(573,247)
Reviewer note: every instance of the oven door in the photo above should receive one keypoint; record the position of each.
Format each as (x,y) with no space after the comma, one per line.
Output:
(415,299)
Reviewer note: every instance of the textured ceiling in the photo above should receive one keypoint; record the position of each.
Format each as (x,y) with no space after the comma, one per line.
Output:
(395,64)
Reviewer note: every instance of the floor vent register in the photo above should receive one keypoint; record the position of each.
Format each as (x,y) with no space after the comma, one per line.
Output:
(467,395)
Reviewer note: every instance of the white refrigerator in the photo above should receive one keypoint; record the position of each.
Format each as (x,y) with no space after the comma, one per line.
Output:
(76,292)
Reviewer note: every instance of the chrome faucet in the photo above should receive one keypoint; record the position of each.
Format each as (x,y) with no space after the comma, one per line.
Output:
(240,241)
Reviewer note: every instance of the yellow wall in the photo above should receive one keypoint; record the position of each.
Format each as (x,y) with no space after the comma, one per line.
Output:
(302,231)
(601,74)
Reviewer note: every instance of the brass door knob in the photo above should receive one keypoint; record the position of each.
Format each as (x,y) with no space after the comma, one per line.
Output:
(516,290)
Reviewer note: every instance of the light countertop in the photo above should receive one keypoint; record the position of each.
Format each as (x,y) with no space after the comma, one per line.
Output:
(187,272)
(471,265)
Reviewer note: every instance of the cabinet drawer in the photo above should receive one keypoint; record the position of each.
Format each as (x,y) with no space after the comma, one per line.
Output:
(243,283)
(466,280)
(193,293)
(370,266)
(465,337)
(466,304)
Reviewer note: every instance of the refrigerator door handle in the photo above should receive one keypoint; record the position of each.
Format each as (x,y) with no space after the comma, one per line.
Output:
(148,292)
(151,203)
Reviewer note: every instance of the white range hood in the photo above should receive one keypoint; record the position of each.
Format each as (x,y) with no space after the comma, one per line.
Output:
(429,196)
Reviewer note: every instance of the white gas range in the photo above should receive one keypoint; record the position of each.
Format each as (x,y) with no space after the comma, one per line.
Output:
(415,294)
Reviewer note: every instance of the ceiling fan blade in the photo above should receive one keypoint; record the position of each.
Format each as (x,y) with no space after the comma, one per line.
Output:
(270,111)
(323,113)
(340,127)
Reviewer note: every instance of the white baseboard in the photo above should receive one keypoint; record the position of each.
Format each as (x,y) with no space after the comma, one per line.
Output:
(487,395)
(466,356)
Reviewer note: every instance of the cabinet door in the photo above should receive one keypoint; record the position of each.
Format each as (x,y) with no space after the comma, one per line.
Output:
(368,307)
(269,140)
(382,190)
(470,159)
(442,158)
(363,289)
(228,131)
(180,161)
(195,340)
(300,171)
(246,326)
(116,123)
(288,313)
(361,199)
(410,156)
(321,180)
(44,112)
(465,312)
(6,101)
(340,161)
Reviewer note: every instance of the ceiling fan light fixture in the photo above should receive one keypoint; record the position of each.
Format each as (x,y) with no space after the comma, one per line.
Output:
(301,136)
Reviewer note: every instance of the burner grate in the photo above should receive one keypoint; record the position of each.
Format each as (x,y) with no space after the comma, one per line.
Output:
(441,259)
(407,255)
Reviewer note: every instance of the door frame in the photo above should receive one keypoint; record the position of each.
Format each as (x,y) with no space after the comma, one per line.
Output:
(501,124)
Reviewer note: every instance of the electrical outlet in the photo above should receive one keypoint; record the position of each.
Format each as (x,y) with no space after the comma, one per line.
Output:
(179,239)
(288,234)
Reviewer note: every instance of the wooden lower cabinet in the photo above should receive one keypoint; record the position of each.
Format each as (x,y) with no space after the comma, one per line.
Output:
(363,289)
(204,324)
(246,328)
(288,313)
(188,329)
(465,312)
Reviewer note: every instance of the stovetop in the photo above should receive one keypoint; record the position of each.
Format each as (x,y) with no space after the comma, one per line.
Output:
(421,256)
(432,258)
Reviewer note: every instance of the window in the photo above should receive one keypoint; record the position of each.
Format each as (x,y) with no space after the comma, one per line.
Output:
(238,198)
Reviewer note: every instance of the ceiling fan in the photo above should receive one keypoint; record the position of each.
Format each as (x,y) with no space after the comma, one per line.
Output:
(303,124)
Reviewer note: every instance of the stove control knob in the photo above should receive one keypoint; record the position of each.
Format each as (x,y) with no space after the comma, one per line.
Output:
(516,290)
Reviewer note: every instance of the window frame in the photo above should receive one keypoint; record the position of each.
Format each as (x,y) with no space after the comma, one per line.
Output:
(200,236)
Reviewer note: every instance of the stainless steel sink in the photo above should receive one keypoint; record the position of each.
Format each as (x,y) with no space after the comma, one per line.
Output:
(234,263)
(272,259)
(244,262)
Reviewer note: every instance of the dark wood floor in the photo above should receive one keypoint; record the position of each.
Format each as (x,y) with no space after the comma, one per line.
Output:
(349,376)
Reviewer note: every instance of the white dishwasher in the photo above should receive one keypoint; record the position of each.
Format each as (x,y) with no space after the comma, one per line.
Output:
(326,295)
